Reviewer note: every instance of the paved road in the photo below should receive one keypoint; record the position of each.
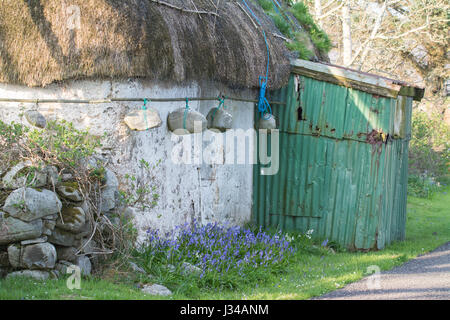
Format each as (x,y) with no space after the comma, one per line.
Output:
(425,278)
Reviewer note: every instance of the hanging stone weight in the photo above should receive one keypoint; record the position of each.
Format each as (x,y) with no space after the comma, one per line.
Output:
(219,119)
(141,120)
(35,118)
(195,122)
(268,121)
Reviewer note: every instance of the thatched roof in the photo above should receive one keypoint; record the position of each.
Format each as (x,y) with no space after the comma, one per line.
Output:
(40,42)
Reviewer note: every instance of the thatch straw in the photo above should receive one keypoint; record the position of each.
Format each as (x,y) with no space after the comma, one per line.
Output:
(119,39)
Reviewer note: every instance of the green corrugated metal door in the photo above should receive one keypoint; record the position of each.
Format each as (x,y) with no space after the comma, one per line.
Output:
(330,178)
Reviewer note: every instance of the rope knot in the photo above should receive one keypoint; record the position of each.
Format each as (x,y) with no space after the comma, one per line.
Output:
(221,103)
(263,104)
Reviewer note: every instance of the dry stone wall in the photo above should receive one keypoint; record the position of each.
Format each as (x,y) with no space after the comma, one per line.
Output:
(43,232)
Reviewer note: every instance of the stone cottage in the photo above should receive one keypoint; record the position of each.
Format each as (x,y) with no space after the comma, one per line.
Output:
(95,62)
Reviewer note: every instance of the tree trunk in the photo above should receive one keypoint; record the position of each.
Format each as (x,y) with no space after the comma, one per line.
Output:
(346,34)
(374,32)
(318,11)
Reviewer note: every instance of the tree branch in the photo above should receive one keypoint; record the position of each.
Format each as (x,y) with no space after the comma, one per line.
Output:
(195,7)
(346,33)
(281,37)
(374,32)
(183,10)
(328,4)
(330,12)
(411,31)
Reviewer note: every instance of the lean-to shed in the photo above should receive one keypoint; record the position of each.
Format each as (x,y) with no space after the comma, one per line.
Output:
(343,157)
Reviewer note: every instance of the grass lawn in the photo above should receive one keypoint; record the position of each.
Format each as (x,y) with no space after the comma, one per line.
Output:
(312,273)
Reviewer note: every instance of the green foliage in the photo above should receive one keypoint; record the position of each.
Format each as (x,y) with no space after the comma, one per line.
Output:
(290,31)
(58,144)
(320,40)
(29,173)
(267,5)
(19,205)
(422,186)
(301,13)
(22,288)
(310,273)
(98,173)
(11,133)
(298,46)
(62,147)
(280,22)
(225,257)
(140,192)
(429,154)
(318,36)
(282,25)
(60,141)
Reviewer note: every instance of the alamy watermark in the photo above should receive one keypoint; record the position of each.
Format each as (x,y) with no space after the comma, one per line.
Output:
(74,280)
(73,13)
(235,146)
(373,281)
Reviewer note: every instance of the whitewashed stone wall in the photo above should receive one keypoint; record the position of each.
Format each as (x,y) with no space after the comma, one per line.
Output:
(217,192)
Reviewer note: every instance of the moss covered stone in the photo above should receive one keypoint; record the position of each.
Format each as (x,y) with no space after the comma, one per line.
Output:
(29,204)
(72,219)
(62,237)
(70,192)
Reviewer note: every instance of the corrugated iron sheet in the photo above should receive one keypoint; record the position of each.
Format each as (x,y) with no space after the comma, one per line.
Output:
(330,178)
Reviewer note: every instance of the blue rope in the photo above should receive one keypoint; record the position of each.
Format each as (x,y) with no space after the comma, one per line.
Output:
(185,113)
(144,108)
(263,104)
(275,4)
(275,1)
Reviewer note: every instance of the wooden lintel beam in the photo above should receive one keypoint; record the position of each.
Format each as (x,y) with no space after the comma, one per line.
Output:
(347,78)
